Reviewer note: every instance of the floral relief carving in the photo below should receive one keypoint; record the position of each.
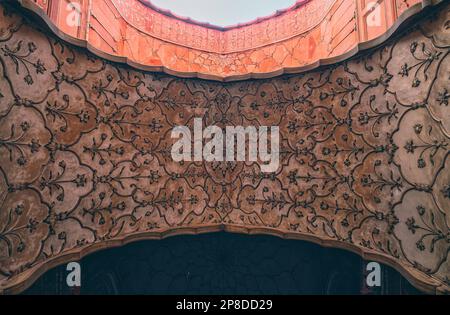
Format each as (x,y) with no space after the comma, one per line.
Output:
(426,147)
(85,155)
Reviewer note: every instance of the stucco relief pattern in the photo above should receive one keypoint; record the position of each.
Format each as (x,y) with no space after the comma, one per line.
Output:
(296,38)
(290,24)
(85,155)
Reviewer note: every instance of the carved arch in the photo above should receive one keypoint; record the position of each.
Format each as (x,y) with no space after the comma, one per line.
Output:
(85,155)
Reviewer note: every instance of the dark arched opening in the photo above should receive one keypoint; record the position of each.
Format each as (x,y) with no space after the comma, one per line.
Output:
(222,263)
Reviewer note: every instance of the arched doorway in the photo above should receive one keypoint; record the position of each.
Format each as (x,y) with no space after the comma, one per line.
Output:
(222,263)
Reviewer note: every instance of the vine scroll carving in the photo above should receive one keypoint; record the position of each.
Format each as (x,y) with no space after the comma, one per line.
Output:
(85,157)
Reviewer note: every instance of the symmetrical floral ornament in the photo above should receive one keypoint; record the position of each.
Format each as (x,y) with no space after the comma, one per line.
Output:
(85,152)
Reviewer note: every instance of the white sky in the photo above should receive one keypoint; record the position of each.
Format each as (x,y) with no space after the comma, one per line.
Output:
(223,12)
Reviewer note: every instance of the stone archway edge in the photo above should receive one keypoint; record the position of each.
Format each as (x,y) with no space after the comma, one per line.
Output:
(409,273)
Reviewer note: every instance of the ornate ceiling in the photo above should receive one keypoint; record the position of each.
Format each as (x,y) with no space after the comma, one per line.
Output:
(85,158)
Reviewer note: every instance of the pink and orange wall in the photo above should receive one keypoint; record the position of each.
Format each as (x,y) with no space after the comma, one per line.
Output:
(299,36)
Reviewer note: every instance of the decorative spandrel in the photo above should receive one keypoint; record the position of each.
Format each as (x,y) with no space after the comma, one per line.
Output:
(86,163)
